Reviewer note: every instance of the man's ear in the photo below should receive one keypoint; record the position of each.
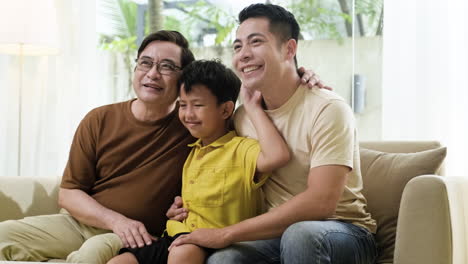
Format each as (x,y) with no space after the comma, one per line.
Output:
(228,109)
(291,48)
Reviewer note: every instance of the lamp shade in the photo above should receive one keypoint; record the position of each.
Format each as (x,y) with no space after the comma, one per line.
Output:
(28,27)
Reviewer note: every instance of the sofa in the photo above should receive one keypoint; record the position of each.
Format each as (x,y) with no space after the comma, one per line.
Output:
(422,217)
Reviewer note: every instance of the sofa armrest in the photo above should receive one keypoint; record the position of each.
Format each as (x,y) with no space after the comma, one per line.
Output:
(432,221)
(457,189)
(27,196)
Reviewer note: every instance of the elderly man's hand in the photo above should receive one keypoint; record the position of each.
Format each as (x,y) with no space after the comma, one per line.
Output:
(176,211)
(311,79)
(132,233)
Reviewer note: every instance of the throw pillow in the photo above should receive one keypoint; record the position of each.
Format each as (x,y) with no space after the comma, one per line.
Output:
(384,178)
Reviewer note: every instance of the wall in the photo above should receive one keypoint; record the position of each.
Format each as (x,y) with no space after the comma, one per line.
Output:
(333,62)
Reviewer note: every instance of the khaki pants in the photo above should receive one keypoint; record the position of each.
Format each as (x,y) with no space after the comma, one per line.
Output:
(58,236)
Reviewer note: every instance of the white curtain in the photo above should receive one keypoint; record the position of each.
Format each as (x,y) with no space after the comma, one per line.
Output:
(57,92)
(425,75)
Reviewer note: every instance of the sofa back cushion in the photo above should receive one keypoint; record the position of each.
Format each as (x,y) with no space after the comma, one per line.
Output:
(22,196)
(384,178)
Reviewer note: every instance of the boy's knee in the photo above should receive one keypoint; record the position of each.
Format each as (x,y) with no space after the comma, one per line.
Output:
(186,253)
(175,255)
(125,258)
(178,254)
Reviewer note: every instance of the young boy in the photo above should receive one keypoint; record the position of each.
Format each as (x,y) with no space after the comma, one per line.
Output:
(223,172)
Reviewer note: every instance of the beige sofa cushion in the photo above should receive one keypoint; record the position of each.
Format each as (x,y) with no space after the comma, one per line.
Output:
(22,196)
(385,176)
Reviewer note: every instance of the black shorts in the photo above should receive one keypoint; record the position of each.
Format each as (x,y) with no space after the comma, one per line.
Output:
(157,252)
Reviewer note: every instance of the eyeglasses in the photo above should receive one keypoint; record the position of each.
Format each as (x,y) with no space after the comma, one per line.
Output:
(164,67)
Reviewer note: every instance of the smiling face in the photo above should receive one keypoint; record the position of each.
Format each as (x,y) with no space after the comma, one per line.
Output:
(152,87)
(258,54)
(201,114)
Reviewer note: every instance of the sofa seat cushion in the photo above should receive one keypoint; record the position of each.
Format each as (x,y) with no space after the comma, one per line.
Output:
(384,178)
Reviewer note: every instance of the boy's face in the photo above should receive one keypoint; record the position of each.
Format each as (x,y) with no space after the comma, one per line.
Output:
(201,114)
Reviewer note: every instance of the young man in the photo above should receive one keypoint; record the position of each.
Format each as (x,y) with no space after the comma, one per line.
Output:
(317,213)
(223,172)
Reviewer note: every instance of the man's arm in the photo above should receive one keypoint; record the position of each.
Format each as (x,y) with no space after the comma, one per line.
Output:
(274,151)
(88,211)
(74,198)
(317,202)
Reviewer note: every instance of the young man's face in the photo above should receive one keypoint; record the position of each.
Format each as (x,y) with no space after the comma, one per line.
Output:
(152,87)
(258,54)
(201,114)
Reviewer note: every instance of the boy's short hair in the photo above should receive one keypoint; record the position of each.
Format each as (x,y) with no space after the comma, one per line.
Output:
(283,24)
(220,80)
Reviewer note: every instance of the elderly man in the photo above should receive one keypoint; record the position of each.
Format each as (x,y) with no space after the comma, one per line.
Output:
(123,171)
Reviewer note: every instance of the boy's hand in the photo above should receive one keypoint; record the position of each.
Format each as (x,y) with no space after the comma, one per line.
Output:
(176,211)
(251,98)
(311,79)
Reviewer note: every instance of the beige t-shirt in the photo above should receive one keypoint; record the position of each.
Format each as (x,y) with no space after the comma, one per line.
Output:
(320,130)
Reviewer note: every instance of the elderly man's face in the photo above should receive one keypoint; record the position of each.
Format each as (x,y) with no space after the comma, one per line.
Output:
(152,87)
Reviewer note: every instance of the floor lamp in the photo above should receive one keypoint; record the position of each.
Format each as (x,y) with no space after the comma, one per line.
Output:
(28,28)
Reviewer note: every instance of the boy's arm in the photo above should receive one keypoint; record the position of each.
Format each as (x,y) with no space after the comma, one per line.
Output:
(274,150)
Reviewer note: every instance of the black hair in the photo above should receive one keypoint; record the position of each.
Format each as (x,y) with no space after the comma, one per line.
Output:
(220,80)
(282,22)
(175,37)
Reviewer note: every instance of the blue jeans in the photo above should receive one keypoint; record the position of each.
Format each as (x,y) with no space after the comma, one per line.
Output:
(310,242)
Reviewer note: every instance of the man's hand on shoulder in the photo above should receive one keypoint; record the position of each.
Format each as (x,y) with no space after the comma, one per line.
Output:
(311,79)
(132,233)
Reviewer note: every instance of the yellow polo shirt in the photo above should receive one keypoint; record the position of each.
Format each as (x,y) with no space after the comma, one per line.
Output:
(218,185)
